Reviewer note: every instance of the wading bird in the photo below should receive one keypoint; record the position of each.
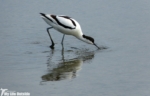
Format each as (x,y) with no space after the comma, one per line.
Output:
(67,26)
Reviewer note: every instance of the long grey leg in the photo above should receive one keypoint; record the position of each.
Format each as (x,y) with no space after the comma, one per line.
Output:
(52,46)
(62,42)
(62,39)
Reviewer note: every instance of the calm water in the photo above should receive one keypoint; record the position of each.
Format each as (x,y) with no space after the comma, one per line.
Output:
(29,65)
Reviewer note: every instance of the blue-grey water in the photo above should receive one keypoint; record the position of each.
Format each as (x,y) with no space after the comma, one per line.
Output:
(27,64)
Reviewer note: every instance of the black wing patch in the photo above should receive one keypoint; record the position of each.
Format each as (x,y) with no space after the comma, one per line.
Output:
(69,19)
(68,27)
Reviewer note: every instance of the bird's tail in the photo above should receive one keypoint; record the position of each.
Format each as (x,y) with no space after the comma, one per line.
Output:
(42,14)
(47,18)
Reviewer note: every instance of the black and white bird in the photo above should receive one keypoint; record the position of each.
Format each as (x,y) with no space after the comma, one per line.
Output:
(67,26)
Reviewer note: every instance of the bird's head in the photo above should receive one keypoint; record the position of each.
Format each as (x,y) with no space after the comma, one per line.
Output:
(89,40)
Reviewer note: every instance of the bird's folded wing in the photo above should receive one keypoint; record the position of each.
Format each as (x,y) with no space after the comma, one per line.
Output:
(66,21)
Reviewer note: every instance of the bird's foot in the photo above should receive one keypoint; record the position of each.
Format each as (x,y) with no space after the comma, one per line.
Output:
(52,46)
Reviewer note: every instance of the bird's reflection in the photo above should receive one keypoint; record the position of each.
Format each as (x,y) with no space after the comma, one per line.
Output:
(66,71)
(66,68)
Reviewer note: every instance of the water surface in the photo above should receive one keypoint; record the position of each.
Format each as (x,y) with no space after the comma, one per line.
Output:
(29,65)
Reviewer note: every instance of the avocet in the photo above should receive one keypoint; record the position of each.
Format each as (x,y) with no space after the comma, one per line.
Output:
(67,26)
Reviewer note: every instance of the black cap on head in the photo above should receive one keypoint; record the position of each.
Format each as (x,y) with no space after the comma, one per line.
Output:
(89,38)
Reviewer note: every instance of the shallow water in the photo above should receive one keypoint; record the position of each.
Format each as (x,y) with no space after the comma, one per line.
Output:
(29,65)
